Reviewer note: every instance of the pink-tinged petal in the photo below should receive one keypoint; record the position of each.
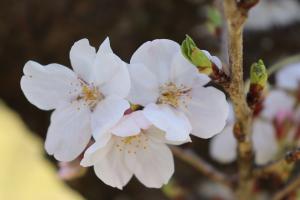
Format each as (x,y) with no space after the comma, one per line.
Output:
(48,86)
(69,132)
(157,55)
(276,102)
(207,111)
(144,85)
(173,122)
(82,56)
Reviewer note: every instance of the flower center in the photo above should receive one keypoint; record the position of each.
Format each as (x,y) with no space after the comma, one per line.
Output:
(89,93)
(171,94)
(132,144)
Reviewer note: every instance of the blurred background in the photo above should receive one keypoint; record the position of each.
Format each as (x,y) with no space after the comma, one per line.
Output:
(44,31)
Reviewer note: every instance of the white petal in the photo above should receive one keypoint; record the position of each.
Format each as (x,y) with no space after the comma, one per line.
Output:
(159,136)
(111,75)
(69,131)
(105,47)
(144,85)
(289,77)
(107,114)
(264,142)
(173,122)
(82,57)
(97,151)
(231,117)
(157,55)
(207,54)
(276,102)
(184,73)
(110,167)
(152,166)
(216,61)
(207,111)
(213,59)
(131,124)
(47,86)
(223,147)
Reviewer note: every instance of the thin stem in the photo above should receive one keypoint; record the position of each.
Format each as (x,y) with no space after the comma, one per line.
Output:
(236,15)
(289,188)
(286,162)
(198,163)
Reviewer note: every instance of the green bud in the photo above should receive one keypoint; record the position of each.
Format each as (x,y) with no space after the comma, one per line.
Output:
(191,52)
(258,73)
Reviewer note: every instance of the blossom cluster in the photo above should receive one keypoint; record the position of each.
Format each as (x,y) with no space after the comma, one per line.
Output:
(120,117)
(275,124)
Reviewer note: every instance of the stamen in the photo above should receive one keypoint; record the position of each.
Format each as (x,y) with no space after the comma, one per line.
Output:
(90,94)
(171,94)
(132,144)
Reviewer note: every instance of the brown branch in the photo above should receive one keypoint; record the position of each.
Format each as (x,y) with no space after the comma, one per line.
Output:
(198,163)
(289,188)
(236,15)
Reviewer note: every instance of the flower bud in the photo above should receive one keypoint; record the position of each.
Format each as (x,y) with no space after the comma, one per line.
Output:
(196,56)
(258,81)
(258,74)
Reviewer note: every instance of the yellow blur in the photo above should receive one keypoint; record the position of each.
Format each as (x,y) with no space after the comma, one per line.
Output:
(24,173)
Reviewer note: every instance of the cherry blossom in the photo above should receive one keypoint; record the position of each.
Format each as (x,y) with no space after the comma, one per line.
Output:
(134,147)
(88,99)
(173,93)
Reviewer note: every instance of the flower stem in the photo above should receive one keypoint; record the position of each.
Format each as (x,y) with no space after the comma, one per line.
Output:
(198,163)
(236,15)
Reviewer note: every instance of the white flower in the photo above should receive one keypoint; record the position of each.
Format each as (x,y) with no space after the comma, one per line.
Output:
(135,147)
(90,98)
(223,147)
(269,13)
(173,93)
(277,102)
(289,77)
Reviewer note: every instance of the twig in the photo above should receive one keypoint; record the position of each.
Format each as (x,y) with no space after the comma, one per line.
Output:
(236,14)
(290,187)
(191,158)
(285,162)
